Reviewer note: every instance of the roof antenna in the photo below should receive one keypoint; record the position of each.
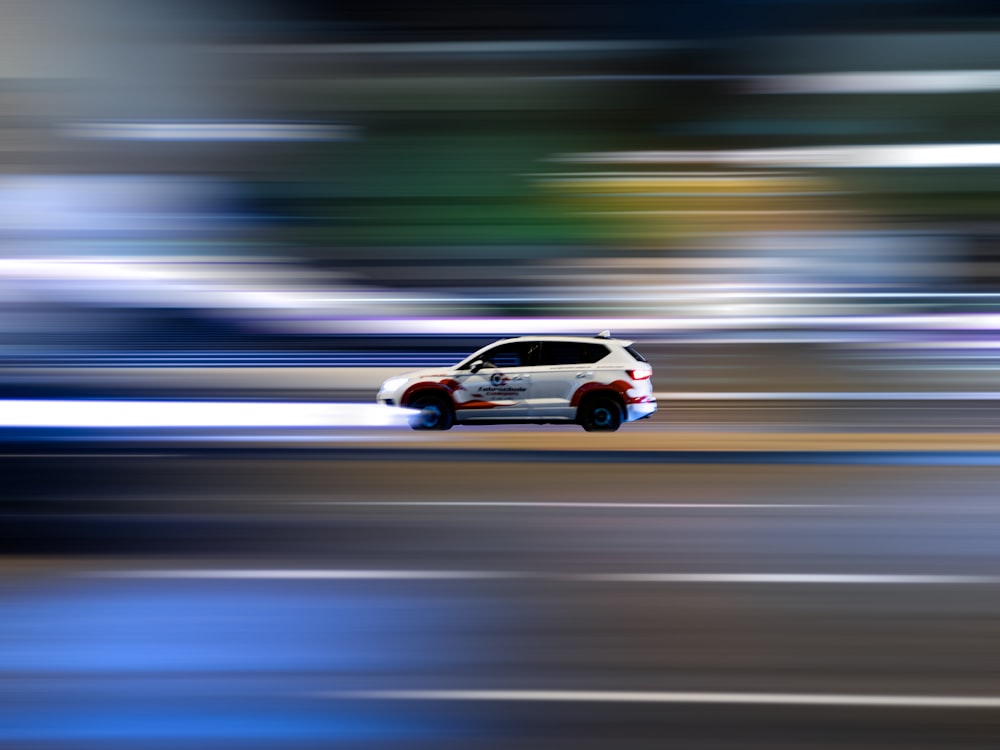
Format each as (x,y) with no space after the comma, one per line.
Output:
(604,335)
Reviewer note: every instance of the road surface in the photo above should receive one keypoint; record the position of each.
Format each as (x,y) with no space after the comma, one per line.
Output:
(355,595)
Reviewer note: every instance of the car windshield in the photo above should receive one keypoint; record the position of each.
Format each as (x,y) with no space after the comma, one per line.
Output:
(466,363)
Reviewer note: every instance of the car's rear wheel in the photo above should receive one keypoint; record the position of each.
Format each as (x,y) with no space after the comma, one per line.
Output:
(600,414)
(435,413)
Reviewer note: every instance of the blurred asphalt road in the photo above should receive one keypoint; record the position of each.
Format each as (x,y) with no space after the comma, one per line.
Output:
(434,599)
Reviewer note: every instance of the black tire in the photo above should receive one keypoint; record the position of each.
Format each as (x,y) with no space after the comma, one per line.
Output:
(435,413)
(600,414)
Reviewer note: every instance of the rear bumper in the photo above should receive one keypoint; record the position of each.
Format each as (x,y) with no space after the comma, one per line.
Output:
(640,410)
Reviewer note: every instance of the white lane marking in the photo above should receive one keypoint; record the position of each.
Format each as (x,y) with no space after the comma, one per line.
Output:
(537,504)
(594,696)
(459,575)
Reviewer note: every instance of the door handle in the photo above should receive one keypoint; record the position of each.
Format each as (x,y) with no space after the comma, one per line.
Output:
(584,374)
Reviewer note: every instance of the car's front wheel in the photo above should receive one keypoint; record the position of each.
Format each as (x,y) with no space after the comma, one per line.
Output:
(600,414)
(435,413)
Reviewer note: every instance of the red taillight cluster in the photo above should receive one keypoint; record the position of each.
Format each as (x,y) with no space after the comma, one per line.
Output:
(640,373)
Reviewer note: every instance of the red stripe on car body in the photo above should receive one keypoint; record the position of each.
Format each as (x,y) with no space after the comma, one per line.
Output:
(417,388)
(477,405)
(621,387)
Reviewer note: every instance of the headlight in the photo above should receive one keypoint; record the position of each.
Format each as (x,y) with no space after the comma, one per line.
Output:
(393,384)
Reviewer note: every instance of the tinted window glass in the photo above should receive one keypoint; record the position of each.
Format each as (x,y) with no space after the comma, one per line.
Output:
(509,355)
(571,353)
(635,355)
(594,352)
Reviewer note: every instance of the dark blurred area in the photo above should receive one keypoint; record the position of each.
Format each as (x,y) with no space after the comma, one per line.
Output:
(223,223)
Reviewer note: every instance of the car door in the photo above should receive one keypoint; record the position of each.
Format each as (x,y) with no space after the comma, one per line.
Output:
(497,385)
(564,367)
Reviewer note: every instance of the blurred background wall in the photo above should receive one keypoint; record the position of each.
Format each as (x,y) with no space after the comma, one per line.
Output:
(232,175)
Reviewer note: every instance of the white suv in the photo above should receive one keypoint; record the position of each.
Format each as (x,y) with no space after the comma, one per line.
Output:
(596,382)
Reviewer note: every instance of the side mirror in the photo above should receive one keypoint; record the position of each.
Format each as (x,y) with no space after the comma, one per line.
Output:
(477,366)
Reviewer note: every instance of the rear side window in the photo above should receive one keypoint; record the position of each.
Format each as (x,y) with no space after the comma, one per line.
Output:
(635,355)
(572,353)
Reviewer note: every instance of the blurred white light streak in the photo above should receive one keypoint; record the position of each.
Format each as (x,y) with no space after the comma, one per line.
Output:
(202,285)
(575,506)
(829,396)
(595,696)
(843,157)
(880,82)
(434,575)
(137,414)
(281,574)
(707,293)
(987,345)
(588,326)
(495,47)
(207,131)
(88,269)
(793,578)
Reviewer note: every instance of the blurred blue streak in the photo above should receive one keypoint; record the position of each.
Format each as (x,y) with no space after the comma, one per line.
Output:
(127,662)
(239,628)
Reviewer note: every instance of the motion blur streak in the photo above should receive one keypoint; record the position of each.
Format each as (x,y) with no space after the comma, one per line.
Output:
(444,575)
(843,157)
(584,696)
(491,47)
(223,223)
(882,82)
(307,575)
(205,131)
(98,413)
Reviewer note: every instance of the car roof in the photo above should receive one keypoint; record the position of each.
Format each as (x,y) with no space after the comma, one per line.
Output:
(571,339)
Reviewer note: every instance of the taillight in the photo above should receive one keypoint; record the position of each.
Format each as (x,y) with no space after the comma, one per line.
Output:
(640,373)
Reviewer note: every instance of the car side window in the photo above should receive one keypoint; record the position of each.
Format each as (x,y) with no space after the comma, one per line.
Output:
(519,354)
(572,353)
(594,353)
